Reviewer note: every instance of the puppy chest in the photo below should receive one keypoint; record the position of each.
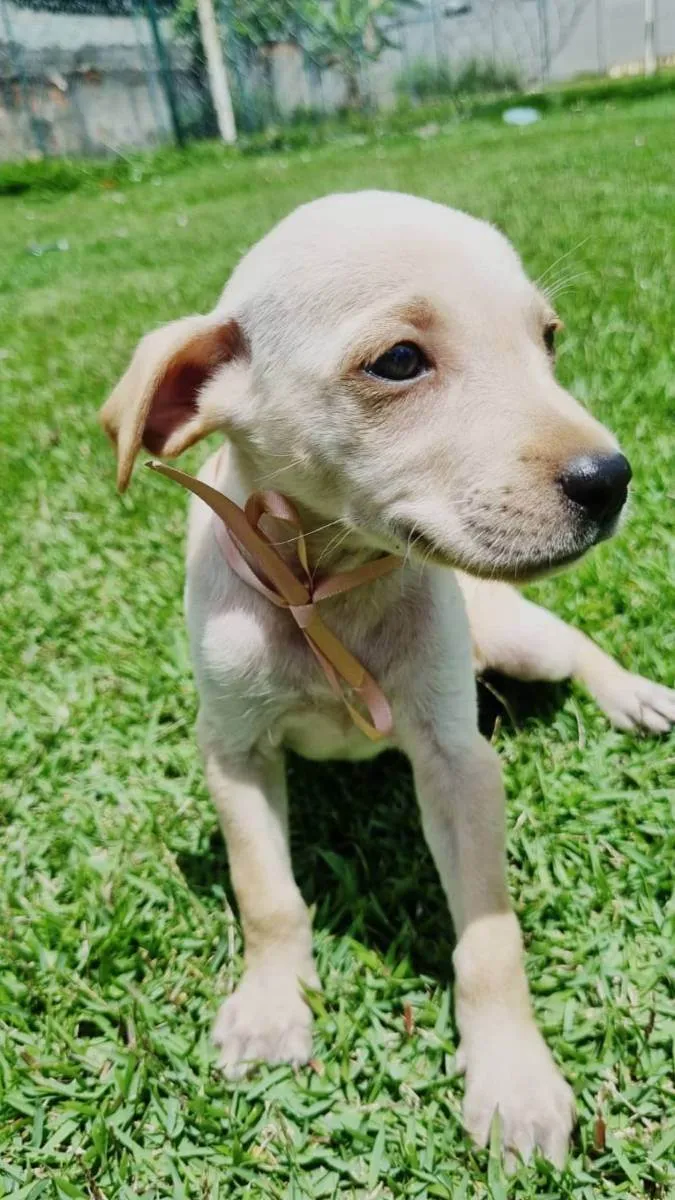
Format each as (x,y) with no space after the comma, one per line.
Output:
(324,732)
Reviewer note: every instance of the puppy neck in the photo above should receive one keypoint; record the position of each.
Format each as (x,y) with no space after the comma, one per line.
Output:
(332,544)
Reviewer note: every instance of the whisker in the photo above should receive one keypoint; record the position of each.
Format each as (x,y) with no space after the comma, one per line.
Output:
(334,544)
(572,271)
(567,286)
(409,544)
(572,250)
(564,281)
(434,545)
(296,462)
(308,532)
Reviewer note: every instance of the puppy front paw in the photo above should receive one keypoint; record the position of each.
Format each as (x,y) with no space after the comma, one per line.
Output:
(509,1070)
(633,702)
(266,1020)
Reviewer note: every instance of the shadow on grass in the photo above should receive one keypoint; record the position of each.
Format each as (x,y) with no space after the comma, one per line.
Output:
(358,851)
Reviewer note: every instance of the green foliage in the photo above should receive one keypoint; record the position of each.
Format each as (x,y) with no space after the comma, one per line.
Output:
(346,34)
(478,75)
(341,34)
(255,23)
(424,80)
(117,935)
(265,22)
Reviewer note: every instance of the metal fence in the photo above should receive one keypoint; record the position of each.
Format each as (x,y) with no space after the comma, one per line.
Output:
(99,76)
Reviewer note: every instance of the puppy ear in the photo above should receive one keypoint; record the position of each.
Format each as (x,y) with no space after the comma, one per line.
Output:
(156,402)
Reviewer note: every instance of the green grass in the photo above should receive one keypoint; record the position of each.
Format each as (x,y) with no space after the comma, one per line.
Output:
(307,130)
(118,934)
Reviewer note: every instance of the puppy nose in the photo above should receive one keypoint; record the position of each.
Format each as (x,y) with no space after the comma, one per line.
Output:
(598,483)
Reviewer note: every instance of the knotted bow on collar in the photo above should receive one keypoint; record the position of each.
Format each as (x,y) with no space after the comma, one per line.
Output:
(248,550)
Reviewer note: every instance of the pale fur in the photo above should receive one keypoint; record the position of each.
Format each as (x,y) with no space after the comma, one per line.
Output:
(468,457)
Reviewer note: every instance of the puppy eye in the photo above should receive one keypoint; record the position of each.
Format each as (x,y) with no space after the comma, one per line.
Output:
(550,331)
(403,361)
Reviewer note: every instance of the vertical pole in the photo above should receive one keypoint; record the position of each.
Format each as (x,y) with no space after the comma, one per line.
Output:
(215,66)
(650,52)
(493,35)
(239,67)
(403,43)
(166,74)
(600,51)
(436,34)
(146,59)
(542,16)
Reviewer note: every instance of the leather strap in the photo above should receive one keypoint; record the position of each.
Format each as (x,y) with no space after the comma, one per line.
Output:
(252,556)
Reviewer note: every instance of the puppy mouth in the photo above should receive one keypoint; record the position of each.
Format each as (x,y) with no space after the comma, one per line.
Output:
(511,563)
(535,568)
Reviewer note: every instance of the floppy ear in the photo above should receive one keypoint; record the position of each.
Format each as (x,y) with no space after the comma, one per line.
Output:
(156,402)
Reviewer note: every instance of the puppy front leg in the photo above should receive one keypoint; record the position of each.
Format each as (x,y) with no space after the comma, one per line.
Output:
(512,635)
(508,1066)
(266,1019)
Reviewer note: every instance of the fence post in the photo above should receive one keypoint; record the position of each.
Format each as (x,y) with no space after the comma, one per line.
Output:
(493,35)
(600,52)
(435,27)
(165,72)
(215,66)
(650,52)
(544,45)
(146,59)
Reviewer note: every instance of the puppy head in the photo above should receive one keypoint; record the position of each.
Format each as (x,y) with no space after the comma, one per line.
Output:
(393,358)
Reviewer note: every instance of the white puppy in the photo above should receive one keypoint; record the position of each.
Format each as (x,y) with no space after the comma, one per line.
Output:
(385,362)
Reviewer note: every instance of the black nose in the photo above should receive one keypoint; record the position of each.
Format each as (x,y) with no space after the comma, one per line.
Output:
(597,482)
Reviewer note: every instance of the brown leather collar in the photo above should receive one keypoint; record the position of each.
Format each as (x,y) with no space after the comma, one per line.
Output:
(252,556)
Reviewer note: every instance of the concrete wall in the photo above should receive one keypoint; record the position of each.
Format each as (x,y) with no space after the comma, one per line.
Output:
(81,84)
(90,84)
(584,36)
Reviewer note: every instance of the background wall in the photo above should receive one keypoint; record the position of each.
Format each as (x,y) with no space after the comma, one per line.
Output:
(90,83)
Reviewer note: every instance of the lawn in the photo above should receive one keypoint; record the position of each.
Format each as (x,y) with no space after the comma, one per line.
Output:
(118,935)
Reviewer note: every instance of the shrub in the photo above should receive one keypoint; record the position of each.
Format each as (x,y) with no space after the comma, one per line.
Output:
(425,80)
